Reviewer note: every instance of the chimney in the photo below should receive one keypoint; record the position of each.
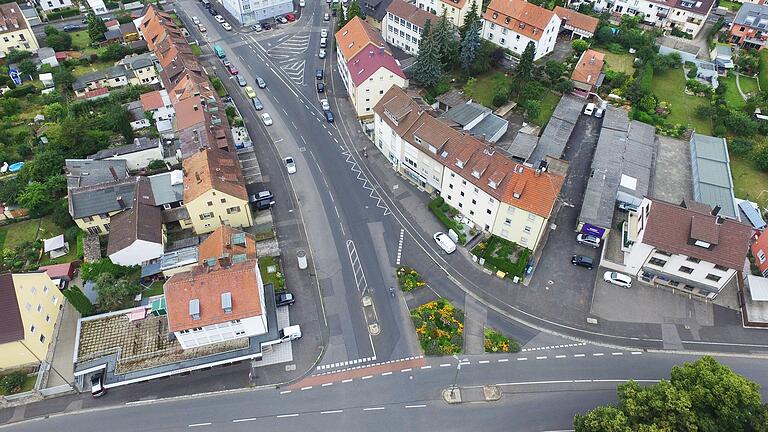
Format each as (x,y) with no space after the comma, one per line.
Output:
(224,260)
(715,210)
(112,171)
(719,220)
(538,172)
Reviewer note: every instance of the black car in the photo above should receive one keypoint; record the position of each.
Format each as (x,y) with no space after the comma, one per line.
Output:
(212,11)
(266,26)
(72,27)
(328,116)
(284,299)
(320,88)
(262,200)
(582,261)
(319,74)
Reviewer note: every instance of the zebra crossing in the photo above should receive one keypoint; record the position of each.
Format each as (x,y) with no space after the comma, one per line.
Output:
(288,54)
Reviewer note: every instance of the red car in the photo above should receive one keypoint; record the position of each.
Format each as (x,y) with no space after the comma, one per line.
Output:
(290,17)
(232,70)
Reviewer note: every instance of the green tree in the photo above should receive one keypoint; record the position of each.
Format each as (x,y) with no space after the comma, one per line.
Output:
(96,27)
(524,68)
(54,112)
(470,18)
(27,69)
(740,123)
(353,10)
(428,69)
(15,56)
(63,78)
(115,52)
(579,45)
(564,86)
(445,40)
(60,214)
(554,69)
(699,396)
(9,107)
(35,198)
(114,293)
(58,40)
(45,164)
(11,189)
(533,109)
(647,103)
(469,46)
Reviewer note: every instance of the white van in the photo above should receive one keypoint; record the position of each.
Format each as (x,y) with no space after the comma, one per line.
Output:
(290,333)
(444,242)
(323,42)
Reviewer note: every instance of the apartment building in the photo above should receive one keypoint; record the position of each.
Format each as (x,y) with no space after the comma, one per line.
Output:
(455,10)
(15,31)
(513,24)
(29,310)
(403,25)
(249,12)
(750,27)
(687,16)
(52,5)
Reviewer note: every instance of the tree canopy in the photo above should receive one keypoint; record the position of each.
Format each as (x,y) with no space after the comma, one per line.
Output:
(428,68)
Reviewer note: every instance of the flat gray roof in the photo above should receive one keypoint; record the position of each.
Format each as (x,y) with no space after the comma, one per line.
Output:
(523,145)
(167,187)
(87,172)
(711,172)
(489,127)
(552,142)
(465,113)
(616,119)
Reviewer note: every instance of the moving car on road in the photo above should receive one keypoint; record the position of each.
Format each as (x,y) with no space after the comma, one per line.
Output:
(324,33)
(588,240)
(257,105)
(582,261)
(284,299)
(324,103)
(219,51)
(328,116)
(262,200)
(241,81)
(202,28)
(266,119)
(319,74)
(321,54)
(196,20)
(290,165)
(326,17)
(226,26)
(444,242)
(260,82)
(232,70)
(618,279)
(302,3)
(320,88)
(219,19)
(250,92)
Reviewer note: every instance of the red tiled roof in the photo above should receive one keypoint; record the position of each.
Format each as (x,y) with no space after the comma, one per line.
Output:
(213,169)
(761,244)
(533,19)
(355,36)
(588,70)
(101,91)
(411,13)
(368,61)
(60,271)
(220,243)
(577,20)
(152,101)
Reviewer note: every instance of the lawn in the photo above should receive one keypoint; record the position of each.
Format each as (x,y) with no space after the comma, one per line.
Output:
(196,50)
(763,77)
(29,383)
(155,289)
(548,105)
(80,40)
(503,255)
(18,233)
(732,95)
(730,5)
(618,62)
(748,181)
(275,278)
(670,86)
(748,84)
(486,87)
(96,66)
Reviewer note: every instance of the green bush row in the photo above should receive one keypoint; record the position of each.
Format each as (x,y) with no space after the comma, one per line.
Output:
(79,301)
(438,207)
(64,13)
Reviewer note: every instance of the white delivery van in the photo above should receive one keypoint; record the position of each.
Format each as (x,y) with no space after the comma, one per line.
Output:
(444,242)
(290,333)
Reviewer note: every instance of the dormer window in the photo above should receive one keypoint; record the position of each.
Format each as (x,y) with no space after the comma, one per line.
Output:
(459,163)
(506,20)
(433,149)
(495,15)
(476,174)
(516,195)
(492,184)
(521,26)
(417,139)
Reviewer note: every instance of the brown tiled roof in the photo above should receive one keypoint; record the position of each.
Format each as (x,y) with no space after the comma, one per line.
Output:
(577,20)
(189,112)
(11,324)
(152,100)
(670,228)
(11,18)
(455,3)
(534,19)
(355,35)
(241,280)
(588,70)
(220,242)
(213,169)
(143,221)
(412,13)
(156,26)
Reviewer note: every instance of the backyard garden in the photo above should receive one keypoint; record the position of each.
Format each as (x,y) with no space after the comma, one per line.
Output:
(271,272)
(448,215)
(498,254)
(440,327)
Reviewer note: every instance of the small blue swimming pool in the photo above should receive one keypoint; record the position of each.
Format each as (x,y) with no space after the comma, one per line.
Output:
(15,167)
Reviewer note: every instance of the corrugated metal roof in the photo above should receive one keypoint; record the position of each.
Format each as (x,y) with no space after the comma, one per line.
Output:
(711,171)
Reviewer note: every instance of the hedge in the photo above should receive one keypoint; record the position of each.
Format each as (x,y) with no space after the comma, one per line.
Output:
(21,91)
(64,13)
(494,251)
(79,301)
(437,207)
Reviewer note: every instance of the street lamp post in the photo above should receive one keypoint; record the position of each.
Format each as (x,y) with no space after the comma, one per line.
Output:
(456,376)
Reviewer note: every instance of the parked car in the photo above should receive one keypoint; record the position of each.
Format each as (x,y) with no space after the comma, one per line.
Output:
(241,81)
(202,28)
(250,92)
(257,28)
(291,17)
(290,165)
(262,200)
(582,261)
(319,74)
(326,17)
(328,116)
(320,88)
(444,242)
(321,54)
(323,42)
(618,279)
(324,33)
(302,3)
(284,299)
(219,19)
(266,119)
(281,20)
(266,26)
(588,240)
(212,11)
(589,109)
(324,103)
(257,105)
(97,385)
(72,27)
(232,69)
(289,333)
(196,20)
(226,26)
(260,82)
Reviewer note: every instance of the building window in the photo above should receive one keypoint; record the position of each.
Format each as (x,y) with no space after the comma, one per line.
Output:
(721,268)
(450,186)
(106,227)
(223,200)
(461,193)
(33,290)
(657,262)
(88,219)
(45,290)
(233,210)
(474,201)
(42,338)
(93,230)
(508,221)
(54,300)
(761,256)
(714,278)
(461,205)
(32,329)
(527,229)
(693,260)
(205,216)
(47,318)
(210,203)
(39,308)
(488,211)
(665,253)
(28,307)
(531,217)
(685,269)
(471,212)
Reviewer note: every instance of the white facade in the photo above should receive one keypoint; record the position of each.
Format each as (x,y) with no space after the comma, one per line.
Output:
(470,200)
(140,159)
(138,252)
(98,7)
(49,5)
(365,96)
(388,141)
(228,330)
(249,12)
(516,42)
(402,33)
(658,13)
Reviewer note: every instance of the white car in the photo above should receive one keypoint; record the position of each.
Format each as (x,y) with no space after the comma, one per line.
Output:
(226,26)
(324,103)
(219,19)
(266,119)
(589,109)
(588,240)
(321,54)
(196,20)
(290,165)
(444,242)
(618,279)
(324,33)
(302,3)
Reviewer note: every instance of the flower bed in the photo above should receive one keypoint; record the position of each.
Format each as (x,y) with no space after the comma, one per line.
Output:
(504,255)
(495,342)
(440,327)
(445,214)
(409,279)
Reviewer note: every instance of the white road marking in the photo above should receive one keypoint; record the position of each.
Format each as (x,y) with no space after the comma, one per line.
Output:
(445,365)
(346,381)
(199,424)
(285,391)
(559,356)
(306,388)
(331,412)
(373,409)
(327,384)
(598,354)
(617,354)
(287,415)
(482,362)
(386,373)
(522,358)
(406,370)
(579,355)
(541,358)
(636,352)
(426,367)
(367,377)
(244,420)
(502,360)
(415,406)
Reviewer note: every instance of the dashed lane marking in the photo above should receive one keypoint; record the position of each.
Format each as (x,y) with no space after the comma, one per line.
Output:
(400,246)
(415,406)
(331,412)
(481,362)
(244,420)
(199,424)
(286,415)
(553,347)
(373,409)
(541,358)
(307,388)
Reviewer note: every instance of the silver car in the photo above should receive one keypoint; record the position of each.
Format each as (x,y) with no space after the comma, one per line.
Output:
(588,240)
(241,80)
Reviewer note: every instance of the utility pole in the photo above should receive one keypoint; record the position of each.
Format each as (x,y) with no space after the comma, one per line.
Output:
(456,376)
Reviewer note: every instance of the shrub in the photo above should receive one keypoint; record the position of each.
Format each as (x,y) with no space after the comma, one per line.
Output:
(698,88)
(495,342)
(409,279)
(499,99)
(63,13)
(12,382)
(79,301)
(156,164)
(692,72)
(616,48)
(21,91)
(741,146)
(438,207)
(440,327)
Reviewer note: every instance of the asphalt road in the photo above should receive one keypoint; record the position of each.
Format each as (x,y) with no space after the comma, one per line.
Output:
(572,380)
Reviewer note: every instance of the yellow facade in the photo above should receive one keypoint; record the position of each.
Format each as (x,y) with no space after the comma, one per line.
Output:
(145,75)
(456,15)
(213,209)
(519,226)
(22,40)
(39,302)
(97,224)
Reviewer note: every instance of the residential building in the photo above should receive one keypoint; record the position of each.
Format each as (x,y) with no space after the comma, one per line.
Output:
(226,242)
(97,6)
(711,171)
(686,16)
(30,305)
(53,5)
(722,56)
(494,192)
(114,77)
(367,69)
(403,25)
(455,10)
(15,31)
(689,247)
(513,24)
(137,233)
(750,27)
(583,26)
(587,76)
(137,155)
(143,68)
(249,12)
(476,120)
(759,250)
(159,104)
(216,303)
(96,191)
(214,191)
